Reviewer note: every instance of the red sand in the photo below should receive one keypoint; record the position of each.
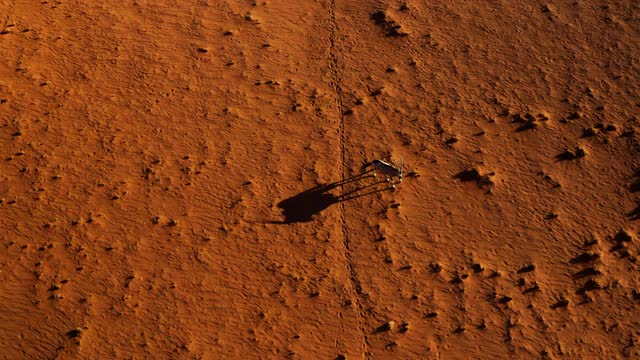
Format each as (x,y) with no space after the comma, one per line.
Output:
(160,163)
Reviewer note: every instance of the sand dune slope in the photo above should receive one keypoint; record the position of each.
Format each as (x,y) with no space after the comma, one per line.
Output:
(186,180)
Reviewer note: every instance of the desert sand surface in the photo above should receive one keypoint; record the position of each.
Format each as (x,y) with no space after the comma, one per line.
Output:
(182,180)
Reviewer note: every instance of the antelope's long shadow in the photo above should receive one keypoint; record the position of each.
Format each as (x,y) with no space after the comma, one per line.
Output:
(303,206)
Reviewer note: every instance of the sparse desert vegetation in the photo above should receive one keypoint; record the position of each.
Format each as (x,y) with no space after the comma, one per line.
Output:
(193,180)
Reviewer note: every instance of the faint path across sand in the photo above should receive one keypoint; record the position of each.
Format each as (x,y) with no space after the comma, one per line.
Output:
(355,288)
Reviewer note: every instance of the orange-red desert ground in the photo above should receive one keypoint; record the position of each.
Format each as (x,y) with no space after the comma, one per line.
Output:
(187,180)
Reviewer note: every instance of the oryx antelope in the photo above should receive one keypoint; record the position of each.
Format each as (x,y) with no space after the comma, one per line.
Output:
(395,169)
